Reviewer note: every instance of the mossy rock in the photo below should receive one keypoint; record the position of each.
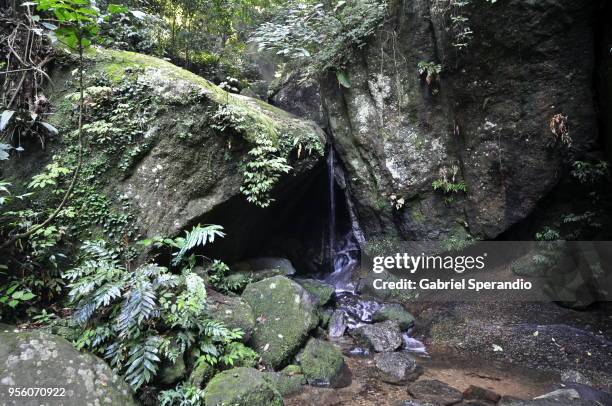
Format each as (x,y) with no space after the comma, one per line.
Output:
(201,374)
(285,313)
(233,311)
(286,383)
(394,312)
(241,387)
(35,359)
(323,364)
(321,291)
(158,179)
(171,372)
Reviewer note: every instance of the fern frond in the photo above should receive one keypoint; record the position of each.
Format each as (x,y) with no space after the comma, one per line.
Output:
(143,361)
(197,237)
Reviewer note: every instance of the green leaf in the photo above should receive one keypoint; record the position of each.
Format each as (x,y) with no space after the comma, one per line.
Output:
(49,127)
(5,118)
(116,9)
(343,79)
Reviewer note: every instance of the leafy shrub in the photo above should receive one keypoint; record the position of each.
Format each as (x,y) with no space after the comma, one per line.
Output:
(319,34)
(136,318)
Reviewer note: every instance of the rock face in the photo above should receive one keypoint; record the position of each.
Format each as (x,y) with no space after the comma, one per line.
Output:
(321,291)
(483,122)
(381,337)
(36,359)
(284,313)
(241,387)
(323,365)
(397,367)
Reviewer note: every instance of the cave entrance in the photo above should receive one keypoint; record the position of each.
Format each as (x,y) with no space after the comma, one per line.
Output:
(295,226)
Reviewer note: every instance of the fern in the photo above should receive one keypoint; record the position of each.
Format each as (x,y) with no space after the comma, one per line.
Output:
(198,236)
(143,362)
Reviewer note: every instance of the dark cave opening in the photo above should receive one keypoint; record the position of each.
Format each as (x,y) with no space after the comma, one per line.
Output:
(295,226)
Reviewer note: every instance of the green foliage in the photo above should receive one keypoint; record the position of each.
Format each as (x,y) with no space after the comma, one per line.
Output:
(54,171)
(263,172)
(320,35)
(182,395)
(218,277)
(430,71)
(449,184)
(13,295)
(547,234)
(590,172)
(137,318)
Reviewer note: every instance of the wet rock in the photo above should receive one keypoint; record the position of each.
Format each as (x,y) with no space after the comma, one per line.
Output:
(512,401)
(323,364)
(241,387)
(321,291)
(285,313)
(394,312)
(481,394)
(233,311)
(415,403)
(434,391)
(337,324)
(381,337)
(397,367)
(35,359)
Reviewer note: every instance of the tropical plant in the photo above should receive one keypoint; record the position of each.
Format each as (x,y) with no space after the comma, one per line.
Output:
(137,318)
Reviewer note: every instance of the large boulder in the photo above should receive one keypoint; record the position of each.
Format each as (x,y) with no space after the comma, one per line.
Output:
(169,149)
(35,359)
(482,124)
(381,337)
(241,387)
(284,313)
(323,364)
(233,311)
(321,291)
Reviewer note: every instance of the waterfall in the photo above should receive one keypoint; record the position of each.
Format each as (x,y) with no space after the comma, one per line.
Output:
(351,311)
(332,200)
(343,253)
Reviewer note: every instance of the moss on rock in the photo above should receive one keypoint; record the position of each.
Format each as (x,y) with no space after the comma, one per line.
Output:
(285,313)
(241,387)
(323,364)
(321,291)
(394,312)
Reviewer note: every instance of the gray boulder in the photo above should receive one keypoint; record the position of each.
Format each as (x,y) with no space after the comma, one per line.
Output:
(397,367)
(321,291)
(381,337)
(35,359)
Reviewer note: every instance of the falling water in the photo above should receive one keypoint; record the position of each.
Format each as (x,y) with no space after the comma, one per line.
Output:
(332,200)
(352,311)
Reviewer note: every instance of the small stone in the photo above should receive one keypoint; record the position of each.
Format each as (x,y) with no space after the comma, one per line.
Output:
(397,367)
(381,337)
